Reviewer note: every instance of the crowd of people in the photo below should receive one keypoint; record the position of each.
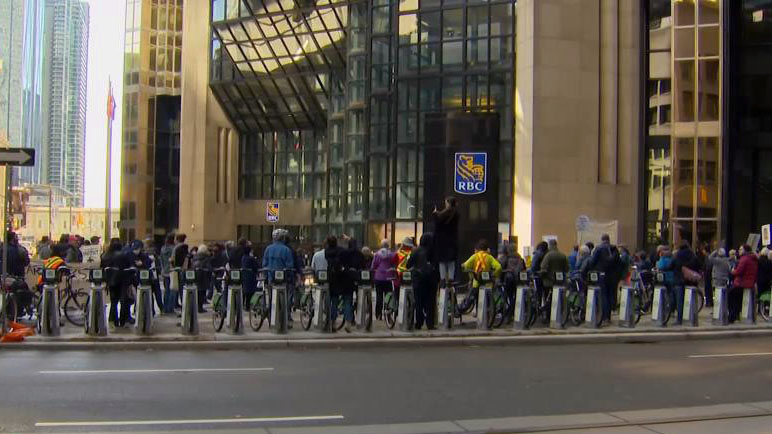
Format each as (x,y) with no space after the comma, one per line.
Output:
(432,261)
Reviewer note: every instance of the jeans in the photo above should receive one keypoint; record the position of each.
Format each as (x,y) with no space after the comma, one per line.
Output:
(118,295)
(678,293)
(447,271)
(381,288)
(170,296)
(425,295)
(348,307)
(735,303)
(606,299)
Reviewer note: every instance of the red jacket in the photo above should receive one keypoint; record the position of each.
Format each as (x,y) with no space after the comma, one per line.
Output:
(745,272)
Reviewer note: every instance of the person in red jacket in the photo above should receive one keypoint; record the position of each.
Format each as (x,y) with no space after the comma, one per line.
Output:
(744,277)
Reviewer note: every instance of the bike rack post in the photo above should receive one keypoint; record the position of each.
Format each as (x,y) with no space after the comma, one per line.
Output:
(190,304)
(406,314)
(364,317)
(3,312)
(748,312)
(592,308)
(49,305)
(658,303)
(446,309)
(690,314)
(322,303)
(558,307)
(521,294)
(720,306)
(144,305)
(235,311)
(626,307)
(279,308)
(96,314)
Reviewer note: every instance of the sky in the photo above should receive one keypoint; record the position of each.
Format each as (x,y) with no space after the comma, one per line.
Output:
(105,62)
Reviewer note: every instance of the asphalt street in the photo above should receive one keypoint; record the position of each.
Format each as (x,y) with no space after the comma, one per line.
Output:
(98,391)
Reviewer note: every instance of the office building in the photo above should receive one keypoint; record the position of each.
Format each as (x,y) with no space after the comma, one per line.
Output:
(11,69)
(66,69)
(544,117)
(151,120)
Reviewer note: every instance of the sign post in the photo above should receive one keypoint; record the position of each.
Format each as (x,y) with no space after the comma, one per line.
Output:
(10,157)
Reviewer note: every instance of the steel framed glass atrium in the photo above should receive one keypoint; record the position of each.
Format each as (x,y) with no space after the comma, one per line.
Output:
(331,97)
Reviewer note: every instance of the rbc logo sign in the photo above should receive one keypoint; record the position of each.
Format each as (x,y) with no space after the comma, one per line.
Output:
(272,212)
(471,172)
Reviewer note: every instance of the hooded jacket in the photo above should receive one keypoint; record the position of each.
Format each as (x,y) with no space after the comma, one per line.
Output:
(383,262)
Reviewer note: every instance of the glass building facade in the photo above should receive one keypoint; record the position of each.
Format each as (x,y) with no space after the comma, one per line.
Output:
(150,151)
(331,100)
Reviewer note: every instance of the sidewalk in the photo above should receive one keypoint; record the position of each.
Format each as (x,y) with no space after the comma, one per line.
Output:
(166,334)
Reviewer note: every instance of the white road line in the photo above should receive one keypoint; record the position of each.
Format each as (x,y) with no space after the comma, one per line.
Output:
(187,422)
(153,371)
(705,356)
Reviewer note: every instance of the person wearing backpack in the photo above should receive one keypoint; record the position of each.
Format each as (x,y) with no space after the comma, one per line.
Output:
(683,266)
(603,261)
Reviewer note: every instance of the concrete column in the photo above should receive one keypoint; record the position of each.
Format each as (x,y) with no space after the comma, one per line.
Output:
(609,91)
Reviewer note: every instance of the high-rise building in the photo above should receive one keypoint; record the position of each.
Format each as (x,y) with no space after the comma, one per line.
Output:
(649,119)
(66,69)
(151,121)
(32,88)
(11,69)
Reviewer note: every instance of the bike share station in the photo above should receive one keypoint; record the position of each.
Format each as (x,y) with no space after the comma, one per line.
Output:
(189,322)
(447,307)
(691,306)
(279,322)
(592,312)
(523,293)
(720,305)
(234,316)
(322,303)
(659,306)
(485,308)
(748,310)
(626,314)
(364,313)
(406,313)
(48,318)
(96,314)
(144,304)
(558,310)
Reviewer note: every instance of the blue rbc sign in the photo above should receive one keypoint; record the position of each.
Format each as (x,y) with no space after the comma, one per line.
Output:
(471,172)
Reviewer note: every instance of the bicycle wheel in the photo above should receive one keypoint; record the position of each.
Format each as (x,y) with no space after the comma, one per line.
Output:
(9,313)
(502,308)
(763,305)
(668,308)
(306,311)
(389,310)
(257,312)
(75,308)
(218,312)
(637,307)
(575,302)
(491,310)
(531,310)
(470,302)
(700,300)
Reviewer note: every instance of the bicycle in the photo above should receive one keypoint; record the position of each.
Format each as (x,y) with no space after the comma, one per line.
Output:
(75,301)
(260,304)
(390,307)
(219,307)
(576,300)
(762,304)
(307,307)
(669,305)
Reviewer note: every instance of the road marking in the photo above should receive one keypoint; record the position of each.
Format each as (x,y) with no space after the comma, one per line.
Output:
(187,422)
(154,371)
(705,356)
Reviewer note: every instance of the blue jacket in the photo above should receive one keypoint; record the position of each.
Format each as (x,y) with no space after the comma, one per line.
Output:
(664,264)
(278,256)
(572,260)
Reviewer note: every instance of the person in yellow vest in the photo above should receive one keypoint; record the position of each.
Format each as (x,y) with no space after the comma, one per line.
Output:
(403,255)
(481,261)
(53,262)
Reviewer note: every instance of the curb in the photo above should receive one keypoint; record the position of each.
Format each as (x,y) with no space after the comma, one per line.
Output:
(389,342)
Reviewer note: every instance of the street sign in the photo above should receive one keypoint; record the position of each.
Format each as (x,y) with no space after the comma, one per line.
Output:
(17,157)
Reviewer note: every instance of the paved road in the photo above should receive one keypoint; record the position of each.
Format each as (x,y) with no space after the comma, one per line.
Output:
(371,386)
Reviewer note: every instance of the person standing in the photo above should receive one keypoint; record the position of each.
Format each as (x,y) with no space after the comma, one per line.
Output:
(554,261)
(446,239)
(202,263)
(512,264)
(165,258)
(572,258)
(721,269)
(764,276)
(420,263)
(334,255)
(684,258)
(603,261)
(745,275)
(250,267)
(383,265)
(318,261)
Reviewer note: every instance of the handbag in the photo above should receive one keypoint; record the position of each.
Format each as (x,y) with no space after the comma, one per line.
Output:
(690,275)
(174,281)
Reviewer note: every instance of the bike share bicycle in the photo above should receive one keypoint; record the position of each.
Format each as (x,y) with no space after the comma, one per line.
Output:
(558,310)
(260,304)
(525,302)
(95,323)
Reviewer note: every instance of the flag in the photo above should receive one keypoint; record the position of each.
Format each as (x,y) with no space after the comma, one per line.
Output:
(110,103)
